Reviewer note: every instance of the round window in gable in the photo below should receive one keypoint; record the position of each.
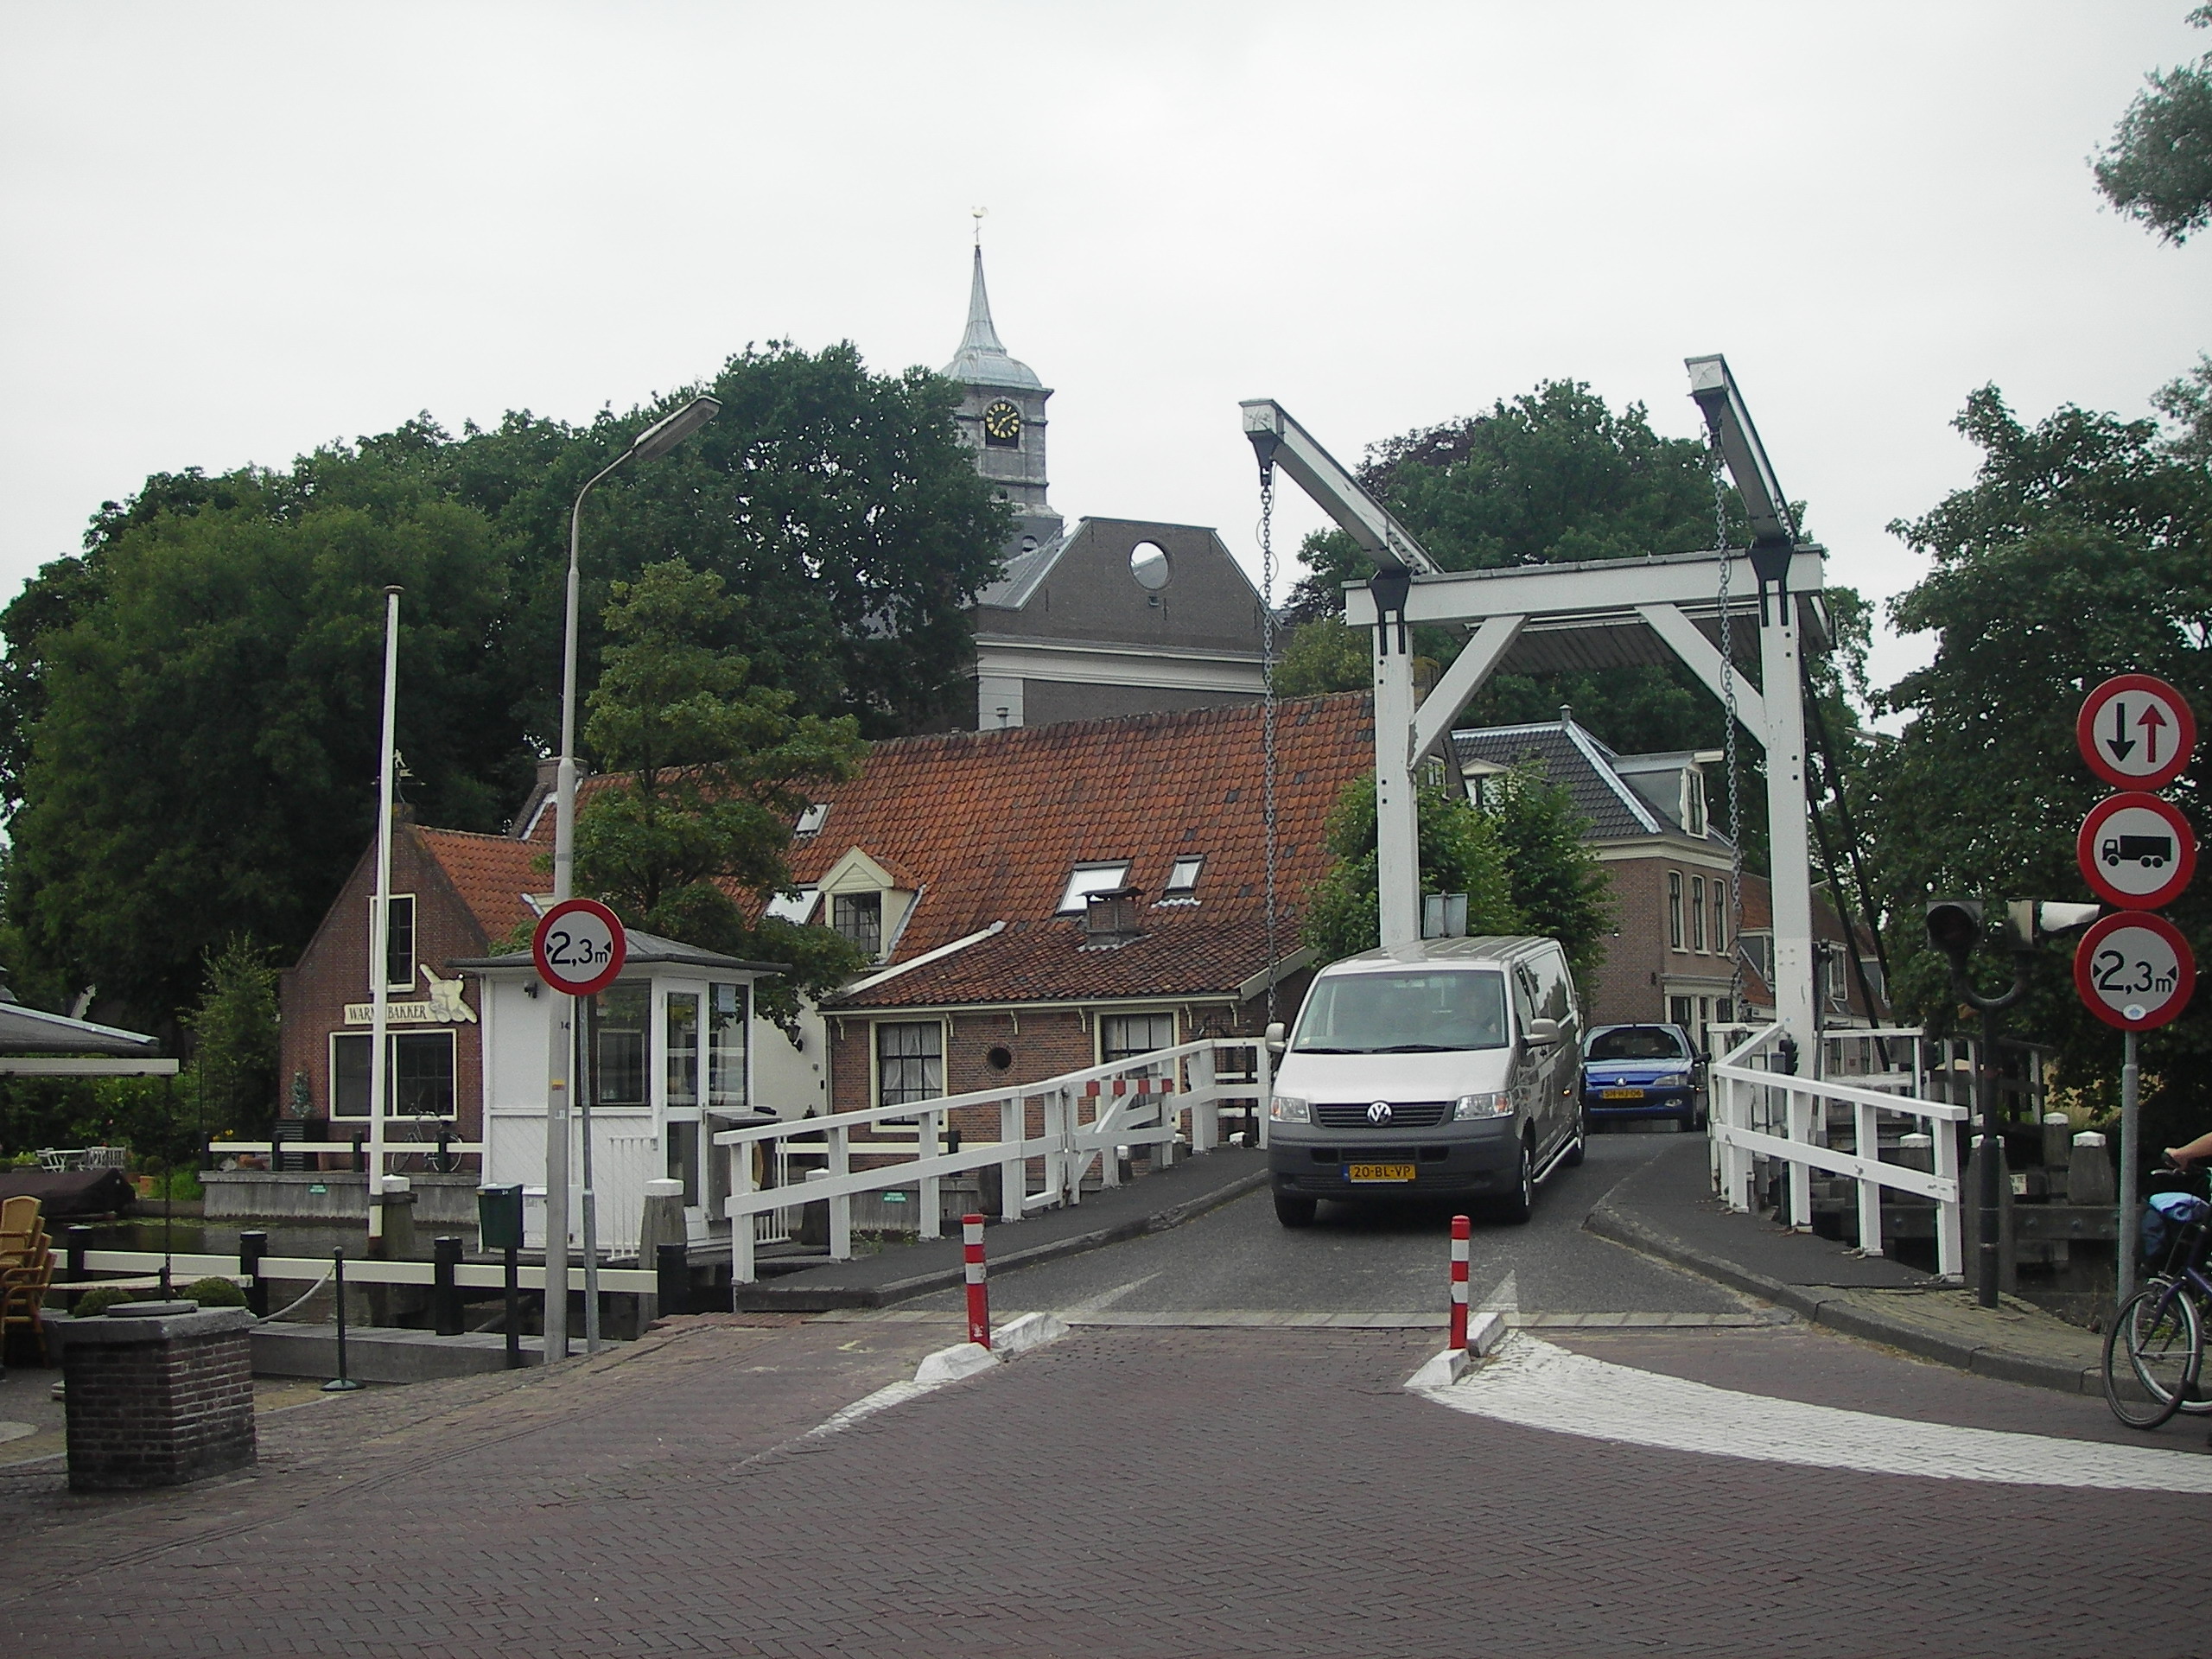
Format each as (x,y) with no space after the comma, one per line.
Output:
(999,1060)
(1148,564)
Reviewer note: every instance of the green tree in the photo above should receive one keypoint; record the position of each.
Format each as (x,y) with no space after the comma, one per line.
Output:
(712,770)
(204,761)
(2157,168)
(1461,851)
(2082,549)
(233,1033)
(1323,655)
(1555,879)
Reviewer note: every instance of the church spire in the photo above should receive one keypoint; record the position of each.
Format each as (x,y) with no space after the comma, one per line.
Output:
(980,335)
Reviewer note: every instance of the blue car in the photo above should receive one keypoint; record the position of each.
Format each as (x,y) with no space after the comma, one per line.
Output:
(1643,1071)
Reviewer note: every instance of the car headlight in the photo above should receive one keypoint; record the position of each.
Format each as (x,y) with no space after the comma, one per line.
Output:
(1672,1079)
(1471,1106)
(1288,1109)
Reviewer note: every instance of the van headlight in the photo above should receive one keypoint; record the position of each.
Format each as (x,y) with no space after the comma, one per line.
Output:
(1469,1106)
(1288,1109)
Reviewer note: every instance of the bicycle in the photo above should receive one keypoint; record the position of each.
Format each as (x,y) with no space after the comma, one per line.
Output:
(2161,1329)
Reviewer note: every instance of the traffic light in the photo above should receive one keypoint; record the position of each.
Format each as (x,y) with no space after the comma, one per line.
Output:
(2028,921)
(1954,928)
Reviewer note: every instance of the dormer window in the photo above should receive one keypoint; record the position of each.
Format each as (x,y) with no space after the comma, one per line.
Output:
(1087,879)
(1182,881)
(812,818)
(797,908)
(1694,802)
(859,916)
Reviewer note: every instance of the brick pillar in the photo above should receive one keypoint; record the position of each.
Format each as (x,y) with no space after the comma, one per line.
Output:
(159,1394)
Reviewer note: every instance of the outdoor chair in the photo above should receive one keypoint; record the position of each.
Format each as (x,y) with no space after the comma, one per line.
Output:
(19,1226)
(22,1294)
(61,1160)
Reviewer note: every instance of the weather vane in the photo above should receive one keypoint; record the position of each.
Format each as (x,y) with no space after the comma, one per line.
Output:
(977,214)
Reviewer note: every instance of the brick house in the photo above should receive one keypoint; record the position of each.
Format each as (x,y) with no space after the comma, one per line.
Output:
(1650,825)
(454,895)
(1043,899)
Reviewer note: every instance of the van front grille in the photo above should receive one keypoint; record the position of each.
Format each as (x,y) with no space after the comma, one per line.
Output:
(1404,1115)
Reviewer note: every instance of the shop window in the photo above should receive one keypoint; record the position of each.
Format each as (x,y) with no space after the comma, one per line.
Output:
(420,1080)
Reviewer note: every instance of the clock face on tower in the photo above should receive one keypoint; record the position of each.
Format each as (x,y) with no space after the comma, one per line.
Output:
(1002,425)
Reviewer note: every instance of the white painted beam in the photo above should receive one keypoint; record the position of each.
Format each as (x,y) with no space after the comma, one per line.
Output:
(1594,588)
(1697,652)
(1433,720)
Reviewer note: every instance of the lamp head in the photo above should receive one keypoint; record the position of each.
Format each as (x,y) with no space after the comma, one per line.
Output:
(670,430)
(2028,921)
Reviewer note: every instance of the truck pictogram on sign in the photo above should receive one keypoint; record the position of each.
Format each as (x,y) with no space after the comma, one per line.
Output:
(2136,850)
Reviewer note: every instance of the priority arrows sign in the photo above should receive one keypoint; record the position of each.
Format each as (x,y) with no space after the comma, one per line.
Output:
(2136,850)
(2136,732)
(2135,971)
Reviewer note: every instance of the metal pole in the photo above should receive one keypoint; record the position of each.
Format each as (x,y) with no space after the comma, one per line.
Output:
(1987,1265)
(2131,1150)
(340,1383)
(560,1070)
(514,1310)
(587,1081)
(380,923)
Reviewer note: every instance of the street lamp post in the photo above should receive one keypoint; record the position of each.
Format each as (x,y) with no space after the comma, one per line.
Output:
(654,441)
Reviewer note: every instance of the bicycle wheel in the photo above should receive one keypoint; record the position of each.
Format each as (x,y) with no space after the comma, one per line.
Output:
(2158,1334)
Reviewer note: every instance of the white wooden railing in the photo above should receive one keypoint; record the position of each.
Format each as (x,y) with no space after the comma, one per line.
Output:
(1138,1102)
(1759,1110)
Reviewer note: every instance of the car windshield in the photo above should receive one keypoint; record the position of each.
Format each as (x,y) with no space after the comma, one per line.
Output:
(1637,1042)
(1408,1012)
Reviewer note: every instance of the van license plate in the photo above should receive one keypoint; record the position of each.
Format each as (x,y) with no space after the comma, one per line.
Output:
(1621,1094)
(1366,1173)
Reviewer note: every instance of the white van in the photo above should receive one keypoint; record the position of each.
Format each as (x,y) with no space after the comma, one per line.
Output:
(1447,1068)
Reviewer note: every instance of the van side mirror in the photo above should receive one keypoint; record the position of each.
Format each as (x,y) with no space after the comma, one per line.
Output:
(1273,1035)
(1542,1033)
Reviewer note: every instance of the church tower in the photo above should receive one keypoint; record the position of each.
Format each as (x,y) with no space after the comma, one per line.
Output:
(1001,417)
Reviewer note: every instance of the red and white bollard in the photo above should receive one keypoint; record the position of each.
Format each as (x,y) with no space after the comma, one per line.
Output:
(1460,1234)
(979,1293)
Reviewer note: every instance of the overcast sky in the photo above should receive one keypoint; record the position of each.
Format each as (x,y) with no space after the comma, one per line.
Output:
(236,231)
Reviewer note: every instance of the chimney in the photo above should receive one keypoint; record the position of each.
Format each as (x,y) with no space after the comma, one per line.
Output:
(1111,918)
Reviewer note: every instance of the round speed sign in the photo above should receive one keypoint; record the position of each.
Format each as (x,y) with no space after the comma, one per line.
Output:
(579,946)
(2134,971)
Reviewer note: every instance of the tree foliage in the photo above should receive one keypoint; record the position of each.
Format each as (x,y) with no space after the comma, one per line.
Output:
(233,1032)
(1461,851)
(188,706)
(2158,170)
(2083,548)
(711,772)
(1557,884)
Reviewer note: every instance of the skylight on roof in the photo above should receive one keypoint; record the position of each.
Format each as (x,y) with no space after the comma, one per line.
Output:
(795,908)
(1087,879)
(813,819)
(1183,876)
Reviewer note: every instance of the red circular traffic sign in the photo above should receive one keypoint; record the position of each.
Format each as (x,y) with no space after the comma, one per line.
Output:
(579,946)
(2136,851)
(2134,971)
(2136,732)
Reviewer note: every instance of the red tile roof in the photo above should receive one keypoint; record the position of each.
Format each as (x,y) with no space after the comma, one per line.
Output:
(991,824)
(490,873)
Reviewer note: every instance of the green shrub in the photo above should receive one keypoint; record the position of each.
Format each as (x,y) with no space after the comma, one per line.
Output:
(99,1300)
(216,1292)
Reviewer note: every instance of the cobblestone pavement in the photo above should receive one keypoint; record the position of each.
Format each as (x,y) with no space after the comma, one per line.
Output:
(1126,1491)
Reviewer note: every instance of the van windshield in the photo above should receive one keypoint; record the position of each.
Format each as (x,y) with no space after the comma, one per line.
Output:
(1410,1011)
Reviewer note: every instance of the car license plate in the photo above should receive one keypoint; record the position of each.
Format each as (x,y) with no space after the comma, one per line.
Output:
(1366,1173)
(1621,1094)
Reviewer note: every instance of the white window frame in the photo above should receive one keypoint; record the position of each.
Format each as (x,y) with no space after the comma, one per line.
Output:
(1697,914)
(1087,879)
(876,1029)
(1673,909)
(883,919)
(1185,891)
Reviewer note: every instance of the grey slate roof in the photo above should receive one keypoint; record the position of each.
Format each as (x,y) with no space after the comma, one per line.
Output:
(31,1031)
(647,950)
(983,359)
(1024,571)
(1573,758)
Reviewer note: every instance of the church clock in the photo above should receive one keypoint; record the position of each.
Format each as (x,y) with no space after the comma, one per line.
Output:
(1002,425)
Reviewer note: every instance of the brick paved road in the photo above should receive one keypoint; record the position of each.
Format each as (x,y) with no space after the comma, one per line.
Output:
(1128,1491)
